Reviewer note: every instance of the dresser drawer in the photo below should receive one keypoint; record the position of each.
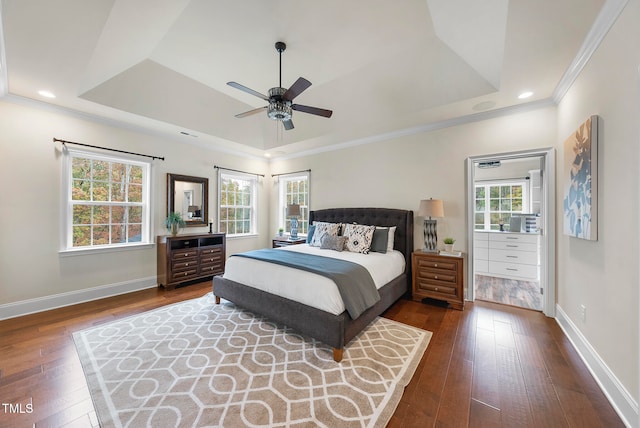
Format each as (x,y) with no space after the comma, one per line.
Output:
(183,254)
(512,246)
(185,275)
(210,250)
(514,269)
(481,254)
(514,237)
(522,257)
(182,265)
(211,269)
(481,265)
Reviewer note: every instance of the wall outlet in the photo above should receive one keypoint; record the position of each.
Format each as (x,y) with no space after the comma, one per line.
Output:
(583,313)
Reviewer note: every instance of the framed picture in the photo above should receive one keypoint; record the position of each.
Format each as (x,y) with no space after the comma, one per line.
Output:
(580,181)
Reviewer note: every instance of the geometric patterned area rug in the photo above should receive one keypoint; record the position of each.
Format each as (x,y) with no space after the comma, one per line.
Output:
(195,364)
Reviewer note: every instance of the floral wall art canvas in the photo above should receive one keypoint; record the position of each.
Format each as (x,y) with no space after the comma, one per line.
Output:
(580,181)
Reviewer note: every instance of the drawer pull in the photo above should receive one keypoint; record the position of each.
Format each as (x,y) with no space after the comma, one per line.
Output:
(186,273)
(186,255)
(436,288)
(436,277)
(436,265)
(512,257)
(515,270)
(512,237)
(186,264)
(512,246)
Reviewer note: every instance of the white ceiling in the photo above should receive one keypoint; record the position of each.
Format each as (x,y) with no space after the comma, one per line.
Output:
(381,66)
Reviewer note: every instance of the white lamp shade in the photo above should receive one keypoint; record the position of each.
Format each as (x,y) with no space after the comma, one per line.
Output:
(431,208)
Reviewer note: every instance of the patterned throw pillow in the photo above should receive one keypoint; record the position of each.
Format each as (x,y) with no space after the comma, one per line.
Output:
(333,243)
(322,229)
(359,237)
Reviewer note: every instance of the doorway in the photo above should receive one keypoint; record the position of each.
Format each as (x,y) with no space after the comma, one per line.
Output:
(511,224)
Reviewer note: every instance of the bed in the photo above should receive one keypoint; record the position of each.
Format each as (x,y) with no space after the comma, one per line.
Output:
(335,330)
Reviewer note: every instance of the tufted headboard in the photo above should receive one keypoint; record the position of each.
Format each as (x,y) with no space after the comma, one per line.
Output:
(386,217)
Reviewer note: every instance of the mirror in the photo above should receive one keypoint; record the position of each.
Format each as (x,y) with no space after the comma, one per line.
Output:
(190,197)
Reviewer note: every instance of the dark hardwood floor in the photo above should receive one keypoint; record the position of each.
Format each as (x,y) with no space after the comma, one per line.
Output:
(487,366)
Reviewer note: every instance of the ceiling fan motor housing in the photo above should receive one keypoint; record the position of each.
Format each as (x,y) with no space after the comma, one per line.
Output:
(278,108)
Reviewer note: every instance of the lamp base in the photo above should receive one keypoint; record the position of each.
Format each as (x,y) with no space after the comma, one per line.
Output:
(430,236)
(294,229)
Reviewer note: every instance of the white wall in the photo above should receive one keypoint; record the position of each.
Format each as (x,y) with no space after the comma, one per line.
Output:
(398,173)
(30,170)
(603,275)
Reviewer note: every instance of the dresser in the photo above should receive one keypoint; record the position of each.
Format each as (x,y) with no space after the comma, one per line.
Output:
(507,255)
(438,277)
(186,258)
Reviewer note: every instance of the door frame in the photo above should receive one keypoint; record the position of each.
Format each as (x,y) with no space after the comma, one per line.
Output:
(547,237)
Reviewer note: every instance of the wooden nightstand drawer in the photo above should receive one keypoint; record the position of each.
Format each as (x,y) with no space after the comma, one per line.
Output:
(437,287)
(438,277)
(426,263)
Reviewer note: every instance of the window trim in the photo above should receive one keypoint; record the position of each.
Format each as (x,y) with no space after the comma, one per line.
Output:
(502,182)
(254,205)
(282,179)
(66,230)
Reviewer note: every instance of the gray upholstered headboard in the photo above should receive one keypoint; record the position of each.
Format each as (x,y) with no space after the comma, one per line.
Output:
(386,217)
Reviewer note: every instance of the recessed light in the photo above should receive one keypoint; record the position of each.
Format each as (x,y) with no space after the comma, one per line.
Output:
(46,94)
(485,105)
(525,94)
(267,155)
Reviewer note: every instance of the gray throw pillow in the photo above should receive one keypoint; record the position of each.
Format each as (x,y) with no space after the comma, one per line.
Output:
(380,240)
(333,243)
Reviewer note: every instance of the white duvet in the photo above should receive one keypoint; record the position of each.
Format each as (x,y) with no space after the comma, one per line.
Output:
(306,287)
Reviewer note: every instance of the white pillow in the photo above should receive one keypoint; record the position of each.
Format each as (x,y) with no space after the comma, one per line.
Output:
(390,242)
(323,229)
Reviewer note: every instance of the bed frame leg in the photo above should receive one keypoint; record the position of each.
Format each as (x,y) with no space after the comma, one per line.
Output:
(217,300)
(337,354)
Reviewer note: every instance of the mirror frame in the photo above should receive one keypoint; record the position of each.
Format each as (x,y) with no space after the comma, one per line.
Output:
(171,191)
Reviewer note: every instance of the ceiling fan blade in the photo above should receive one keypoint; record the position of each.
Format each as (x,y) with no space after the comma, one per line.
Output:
(296,89)
(250,112)
(288,124)
(248,90)
(312,110)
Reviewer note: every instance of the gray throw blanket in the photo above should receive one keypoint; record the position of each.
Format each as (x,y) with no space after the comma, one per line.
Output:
(356,287)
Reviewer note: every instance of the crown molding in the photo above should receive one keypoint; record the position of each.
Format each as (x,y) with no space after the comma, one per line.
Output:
(601,26)
(429,127)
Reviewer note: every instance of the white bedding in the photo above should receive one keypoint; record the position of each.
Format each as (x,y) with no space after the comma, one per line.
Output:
(306,287)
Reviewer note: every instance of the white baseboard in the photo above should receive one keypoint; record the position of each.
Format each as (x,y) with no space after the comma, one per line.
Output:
(615,392)
(40,304)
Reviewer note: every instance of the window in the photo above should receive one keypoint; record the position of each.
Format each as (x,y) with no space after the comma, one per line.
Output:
(495,201)
(237,204)
(294,189)
(106,201)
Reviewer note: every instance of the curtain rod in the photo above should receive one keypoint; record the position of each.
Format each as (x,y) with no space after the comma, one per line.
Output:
(237,170)
(287,173)
(55,140)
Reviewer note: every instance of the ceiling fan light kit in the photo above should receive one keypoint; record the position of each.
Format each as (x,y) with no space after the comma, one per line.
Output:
(280,99)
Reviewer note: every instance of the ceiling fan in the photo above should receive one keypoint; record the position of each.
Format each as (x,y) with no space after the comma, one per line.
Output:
(281,99)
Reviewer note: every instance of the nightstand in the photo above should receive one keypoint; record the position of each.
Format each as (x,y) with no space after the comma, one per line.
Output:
(438,277)
(283,241)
